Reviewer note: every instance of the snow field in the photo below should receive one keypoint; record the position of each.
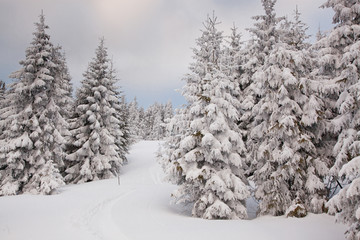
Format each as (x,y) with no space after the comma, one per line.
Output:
(140,208)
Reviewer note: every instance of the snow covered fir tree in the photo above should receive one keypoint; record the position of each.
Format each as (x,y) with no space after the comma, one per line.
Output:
(96,129)
(292,101)
(209,158)
(287,170)
(32,145)
(341,58)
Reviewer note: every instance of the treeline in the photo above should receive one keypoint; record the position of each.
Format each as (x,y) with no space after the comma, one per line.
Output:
(276,111)
(149,124)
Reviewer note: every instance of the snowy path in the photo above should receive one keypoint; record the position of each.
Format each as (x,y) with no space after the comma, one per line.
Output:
(139,209)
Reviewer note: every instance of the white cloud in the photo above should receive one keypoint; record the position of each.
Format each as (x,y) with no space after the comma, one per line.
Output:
(149,40)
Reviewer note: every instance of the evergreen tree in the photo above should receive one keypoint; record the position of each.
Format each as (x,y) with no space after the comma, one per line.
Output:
(125,140)
(63,102)
(341,50)
(288,173)
(142,125)
(121,132)
(96,128)
(2,90)
(233,56)
(209,157)
(134,120)
(2,97)
(32,140)
(169,152)
(152,125)
(167,115)
(264,37)
(168,111)
(2,127)
(156,114)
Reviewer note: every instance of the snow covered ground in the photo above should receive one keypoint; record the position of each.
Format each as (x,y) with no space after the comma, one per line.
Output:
(139,208)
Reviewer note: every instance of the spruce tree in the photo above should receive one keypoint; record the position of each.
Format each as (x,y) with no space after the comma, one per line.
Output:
(2,90)
(209,157)
(233,56)
(32,143)
(168,111)
(95,130)
(134,120)
(168,114)
(170,150)
(288,172)
(342,52)
(264,35)
(121,132)
(2,127)
(125,140)
(63,102)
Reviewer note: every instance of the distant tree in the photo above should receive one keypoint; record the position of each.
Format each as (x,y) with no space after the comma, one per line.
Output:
(96,128)
(32,141)
(209,156)
(2,97)
(142,125)
(150,124)
(135,130)
(168,111)
(156,113)
(2,90)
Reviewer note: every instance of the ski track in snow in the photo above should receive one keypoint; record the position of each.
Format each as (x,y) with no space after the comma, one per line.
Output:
(139,209)
(98,221)
(93,218)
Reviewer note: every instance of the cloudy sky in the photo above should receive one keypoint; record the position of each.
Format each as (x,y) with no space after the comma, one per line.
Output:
(149,41)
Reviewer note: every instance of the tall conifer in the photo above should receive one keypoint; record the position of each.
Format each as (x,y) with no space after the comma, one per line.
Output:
(32,143)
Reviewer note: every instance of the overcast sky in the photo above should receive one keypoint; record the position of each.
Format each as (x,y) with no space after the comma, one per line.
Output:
(150,41)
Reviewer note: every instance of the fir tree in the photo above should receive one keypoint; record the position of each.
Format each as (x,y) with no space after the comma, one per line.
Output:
(234,57)
(168,111)
(96,128)
(264,36)
(2,90)
(167,115)
(63,102)
(32,140)
(209,157)
(121,132)
(124,141)
(2,127)
(288,171)
(170,150)
(134,120)
(342,48)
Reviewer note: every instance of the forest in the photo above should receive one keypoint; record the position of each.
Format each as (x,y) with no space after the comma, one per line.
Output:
(275,118)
